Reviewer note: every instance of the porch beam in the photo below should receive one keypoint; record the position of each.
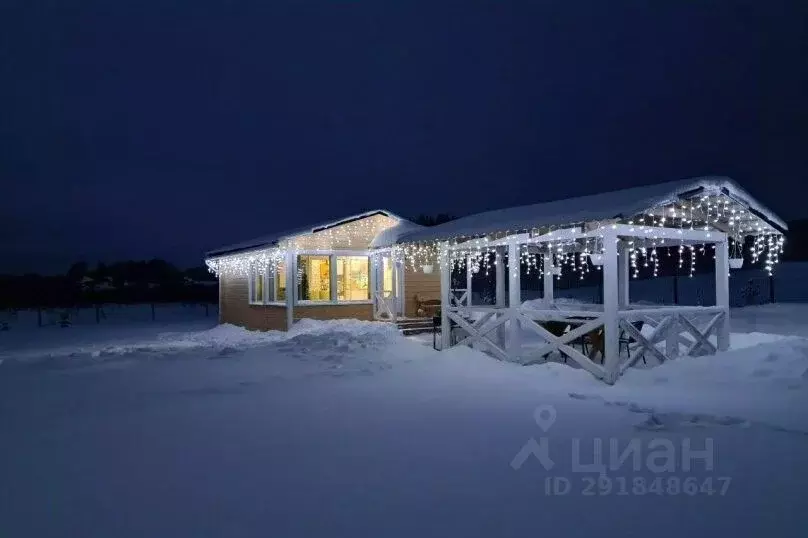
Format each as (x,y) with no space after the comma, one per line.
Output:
(564,234)
(509,239)
(637,230)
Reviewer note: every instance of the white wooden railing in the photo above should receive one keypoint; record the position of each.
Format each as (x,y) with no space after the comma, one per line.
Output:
(384,306)
(460,297)
(675,330)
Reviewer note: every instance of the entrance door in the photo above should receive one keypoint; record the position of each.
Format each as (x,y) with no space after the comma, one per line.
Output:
(387,304)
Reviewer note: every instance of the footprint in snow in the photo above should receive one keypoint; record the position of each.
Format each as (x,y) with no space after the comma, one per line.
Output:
(579,396)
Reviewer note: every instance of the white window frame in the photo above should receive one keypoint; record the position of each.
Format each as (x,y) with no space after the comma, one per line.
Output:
(333,255)
(269,280)
(253,273)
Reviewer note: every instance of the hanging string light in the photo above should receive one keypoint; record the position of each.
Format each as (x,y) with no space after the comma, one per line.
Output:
(709,211)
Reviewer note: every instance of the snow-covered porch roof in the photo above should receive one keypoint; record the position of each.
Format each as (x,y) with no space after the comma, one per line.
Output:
(614,205)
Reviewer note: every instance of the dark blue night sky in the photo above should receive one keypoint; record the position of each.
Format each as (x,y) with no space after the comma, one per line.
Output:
(164,128)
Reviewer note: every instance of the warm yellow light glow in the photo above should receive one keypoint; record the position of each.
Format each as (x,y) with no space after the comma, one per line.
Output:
(314,278)
(353,278)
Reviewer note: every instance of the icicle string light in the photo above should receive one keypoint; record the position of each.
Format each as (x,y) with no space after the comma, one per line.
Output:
(655,227)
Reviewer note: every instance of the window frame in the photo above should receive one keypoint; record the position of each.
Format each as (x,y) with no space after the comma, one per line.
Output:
(333,255)
(269,278)
(369,262)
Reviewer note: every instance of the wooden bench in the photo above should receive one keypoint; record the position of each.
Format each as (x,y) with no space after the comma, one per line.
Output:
(427,304)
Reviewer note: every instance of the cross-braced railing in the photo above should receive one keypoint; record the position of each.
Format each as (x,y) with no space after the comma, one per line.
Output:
(480,330)
(588,324)
(460,297)
(385,307)
(674,330)
(614,325)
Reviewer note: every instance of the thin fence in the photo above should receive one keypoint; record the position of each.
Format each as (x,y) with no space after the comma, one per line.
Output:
(103,314)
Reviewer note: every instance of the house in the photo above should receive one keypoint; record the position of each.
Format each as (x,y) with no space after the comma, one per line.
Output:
(379,266)
(340,269)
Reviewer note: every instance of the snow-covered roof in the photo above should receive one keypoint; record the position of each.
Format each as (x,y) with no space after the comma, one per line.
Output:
(391,235)
(624,203)
(274,239)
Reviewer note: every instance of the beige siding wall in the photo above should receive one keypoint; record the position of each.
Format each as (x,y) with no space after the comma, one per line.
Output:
(416,282)
(235,309)
(342,311)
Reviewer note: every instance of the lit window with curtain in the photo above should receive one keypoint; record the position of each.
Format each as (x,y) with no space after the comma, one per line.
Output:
(313,278)
(353,278)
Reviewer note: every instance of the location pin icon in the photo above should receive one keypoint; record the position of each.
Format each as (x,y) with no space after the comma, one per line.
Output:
(545,416)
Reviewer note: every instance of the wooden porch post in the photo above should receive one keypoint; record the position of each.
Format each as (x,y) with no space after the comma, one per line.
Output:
(548,277)
(291,271)
(501,299)
(722,291)
(611,355)
(514,296)
(445,289)
(468,280)
(394,273)
(623,281)
(221,296)
(500,277)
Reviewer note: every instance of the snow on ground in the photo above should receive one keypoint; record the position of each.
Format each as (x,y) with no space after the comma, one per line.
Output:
(345,428)
(778,318)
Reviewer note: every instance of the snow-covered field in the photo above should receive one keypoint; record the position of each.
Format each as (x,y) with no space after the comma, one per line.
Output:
(348,429)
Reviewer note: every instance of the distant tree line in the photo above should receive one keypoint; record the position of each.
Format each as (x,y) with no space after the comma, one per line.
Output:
(124,282)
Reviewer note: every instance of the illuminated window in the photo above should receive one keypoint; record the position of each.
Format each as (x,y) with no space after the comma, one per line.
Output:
(280,283)
(314,278)
(353,278)
(257,286)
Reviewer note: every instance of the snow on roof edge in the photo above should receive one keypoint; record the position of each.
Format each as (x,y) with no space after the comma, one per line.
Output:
(593,207)
(273,239)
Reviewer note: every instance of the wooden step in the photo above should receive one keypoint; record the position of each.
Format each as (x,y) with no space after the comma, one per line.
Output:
(405,321)
(415,322)
(410,331)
